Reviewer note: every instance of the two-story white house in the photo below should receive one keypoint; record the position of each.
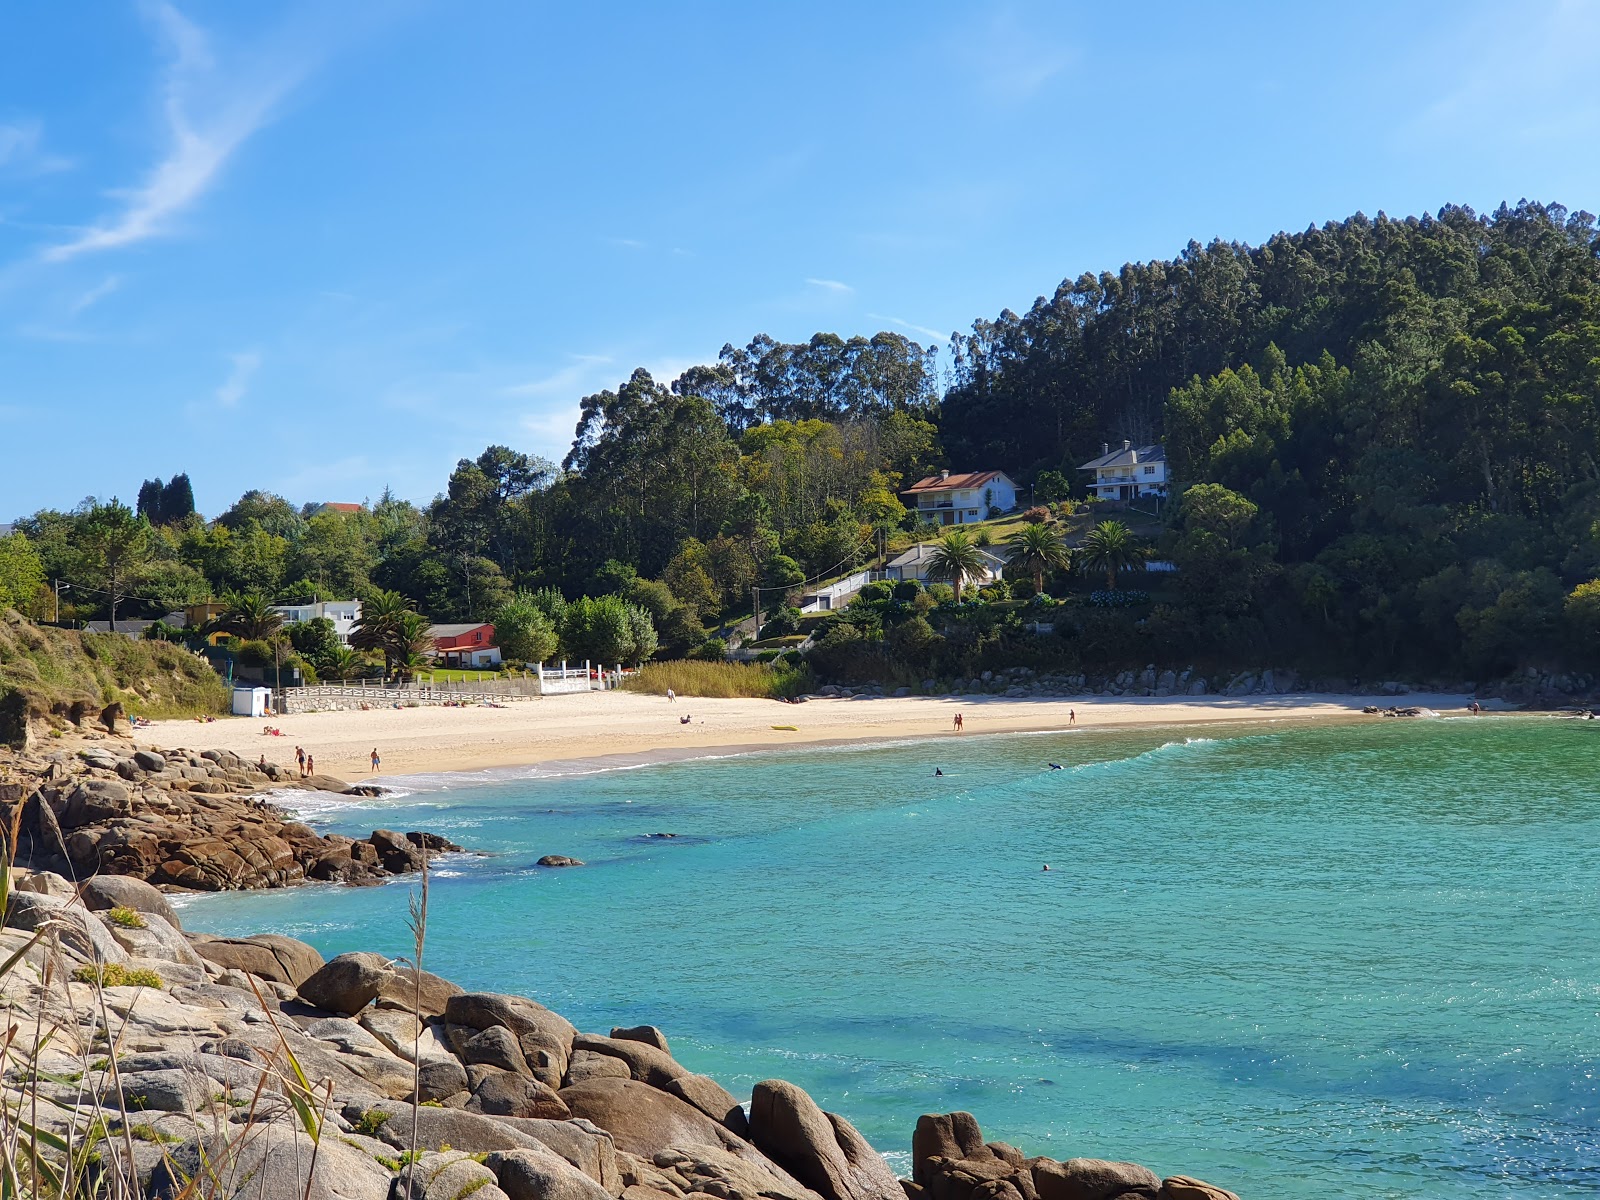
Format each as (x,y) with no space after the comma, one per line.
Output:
(947,499)
(1128,473)
(343,613)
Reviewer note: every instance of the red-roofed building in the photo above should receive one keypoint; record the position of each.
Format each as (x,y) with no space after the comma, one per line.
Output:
(465,645)
(337,507)
(949,499)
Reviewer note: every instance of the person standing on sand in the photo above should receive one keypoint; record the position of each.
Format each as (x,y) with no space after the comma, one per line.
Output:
(300,758)
(1072,716)
(376,761)
(311,765)
(961,723)
(672,696)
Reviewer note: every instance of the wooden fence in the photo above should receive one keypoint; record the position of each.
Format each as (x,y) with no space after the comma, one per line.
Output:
(374,693)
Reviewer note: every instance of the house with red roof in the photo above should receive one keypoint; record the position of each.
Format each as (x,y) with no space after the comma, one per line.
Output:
(951,499)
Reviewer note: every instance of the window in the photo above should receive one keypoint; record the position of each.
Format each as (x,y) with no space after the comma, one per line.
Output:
(478,637)
(1149,470)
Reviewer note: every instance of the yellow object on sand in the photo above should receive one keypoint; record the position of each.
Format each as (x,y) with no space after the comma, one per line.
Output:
(790,728)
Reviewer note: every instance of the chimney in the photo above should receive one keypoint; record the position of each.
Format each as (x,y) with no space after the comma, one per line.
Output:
(1105,448)
(943,475)
(1126,444)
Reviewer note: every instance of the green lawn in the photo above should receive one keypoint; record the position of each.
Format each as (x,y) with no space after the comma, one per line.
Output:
(455,675)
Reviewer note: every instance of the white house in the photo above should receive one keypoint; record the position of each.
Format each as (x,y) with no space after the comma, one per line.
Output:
(343,613)
(962,499)
(915,564)
(1128,473)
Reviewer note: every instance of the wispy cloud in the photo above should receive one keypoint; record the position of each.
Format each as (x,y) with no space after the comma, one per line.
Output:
(626,243)
(208,114)
(95,294)
(908,326)
(237,383)
(1009,56)
(569,378)
(22,150)
(831,285)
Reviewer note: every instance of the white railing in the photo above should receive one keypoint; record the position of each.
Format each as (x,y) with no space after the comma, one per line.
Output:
(825,599)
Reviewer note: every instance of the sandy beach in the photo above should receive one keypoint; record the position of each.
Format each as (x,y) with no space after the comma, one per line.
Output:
(606,724)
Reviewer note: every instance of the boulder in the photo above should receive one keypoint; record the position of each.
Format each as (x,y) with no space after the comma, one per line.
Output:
(346,983)
(560,860)
(494,1047)
(279,1167)
(149,760)
(448,1176)
(542,1174)
(644,1120)
(711,1098)
(79,930)
(400,990)
(585,1065)
(471,1133)
(648,1034)
(950,1136)
(156,940)
(1182,1187)
(45,883)
(1092,1179)
(123,891)
(268,956)
(178,1091)
(500,1093)
(822,1151)
(545,1038)
(582,1143)
(645,1063)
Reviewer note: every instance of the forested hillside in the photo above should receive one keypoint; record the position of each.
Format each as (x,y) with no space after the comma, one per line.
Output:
(1384,434)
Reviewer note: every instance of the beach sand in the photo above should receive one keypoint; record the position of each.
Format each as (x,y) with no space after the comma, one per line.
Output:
(625,724)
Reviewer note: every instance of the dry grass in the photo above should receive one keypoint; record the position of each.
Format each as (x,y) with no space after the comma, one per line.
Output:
(720,680)
(60,676)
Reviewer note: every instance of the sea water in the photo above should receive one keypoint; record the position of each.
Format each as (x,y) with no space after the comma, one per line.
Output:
(1342,960)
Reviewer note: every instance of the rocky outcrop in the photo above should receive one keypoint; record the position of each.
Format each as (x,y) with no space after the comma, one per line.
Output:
(230,1052)
(181,821)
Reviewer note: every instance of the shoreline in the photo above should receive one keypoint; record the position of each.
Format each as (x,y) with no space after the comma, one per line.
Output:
(629,729)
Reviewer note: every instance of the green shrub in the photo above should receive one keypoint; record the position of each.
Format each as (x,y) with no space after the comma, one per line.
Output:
(128,918)
(117,975)
(879,589)
(710,650)
(371,1121)
(908,589)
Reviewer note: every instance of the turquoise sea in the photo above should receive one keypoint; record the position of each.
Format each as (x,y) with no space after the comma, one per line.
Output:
(1343,960)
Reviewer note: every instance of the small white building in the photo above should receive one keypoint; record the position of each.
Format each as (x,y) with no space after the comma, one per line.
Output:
(1128,473)
(343,613)
(916,562)
(948,499)
(252,701)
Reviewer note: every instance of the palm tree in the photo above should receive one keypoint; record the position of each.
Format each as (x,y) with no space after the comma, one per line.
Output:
(378,628)
(1111,547)
(1036,548)
(341,662)
(246,615)
(956,557)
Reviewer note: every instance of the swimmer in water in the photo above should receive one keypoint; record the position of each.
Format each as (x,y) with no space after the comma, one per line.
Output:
(1047,866)
(1055,766)
(937,771)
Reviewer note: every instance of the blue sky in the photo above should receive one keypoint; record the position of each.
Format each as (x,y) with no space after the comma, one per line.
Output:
(323,248)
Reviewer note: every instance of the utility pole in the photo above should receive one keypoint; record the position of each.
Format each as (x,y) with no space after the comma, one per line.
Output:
(55,586)
(755,604)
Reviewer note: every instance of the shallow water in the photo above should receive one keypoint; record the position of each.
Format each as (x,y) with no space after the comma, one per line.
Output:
(1353,960)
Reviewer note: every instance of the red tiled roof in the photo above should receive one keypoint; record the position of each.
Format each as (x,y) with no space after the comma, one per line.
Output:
(346,508)
(935,483)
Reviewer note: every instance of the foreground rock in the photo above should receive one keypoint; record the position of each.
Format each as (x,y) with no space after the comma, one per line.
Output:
(269,1072)
(180,820)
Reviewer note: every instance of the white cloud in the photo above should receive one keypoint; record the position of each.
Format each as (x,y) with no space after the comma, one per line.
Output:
(1011,56)
(95,294)
(831,285)
(626,243)
(233,388)
(569,378)
(907,325)
(208,114)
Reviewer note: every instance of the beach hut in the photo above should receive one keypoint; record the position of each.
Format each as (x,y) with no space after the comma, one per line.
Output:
(252,701)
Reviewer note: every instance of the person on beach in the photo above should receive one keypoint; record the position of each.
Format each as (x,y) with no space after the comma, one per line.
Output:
(311,765)
(300,758)
(672,696)
(376,761)
(961,723)
(262,765)
(1072,716)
